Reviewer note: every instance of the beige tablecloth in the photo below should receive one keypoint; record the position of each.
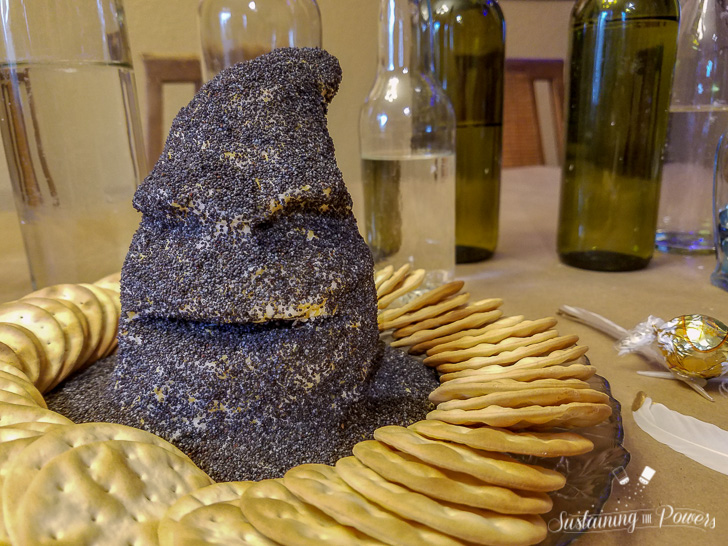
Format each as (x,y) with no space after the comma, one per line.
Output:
(526,273)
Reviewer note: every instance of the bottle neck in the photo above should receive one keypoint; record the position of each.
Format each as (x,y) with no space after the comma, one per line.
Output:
(404,36)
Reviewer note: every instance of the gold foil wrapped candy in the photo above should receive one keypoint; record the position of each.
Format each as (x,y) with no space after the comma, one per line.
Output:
(694,348)
(694,345)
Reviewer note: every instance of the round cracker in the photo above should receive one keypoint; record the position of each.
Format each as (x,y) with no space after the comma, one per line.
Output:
(501,322)
(459,359)
(221,524)
(515,358)
(8,359)
(425,313)
(18,385)
(571,415)
(73,332)
(211,515)
(411,282)
(48,332)
(490,467)
(576,371)
(281,516)
(466,523)
(520,330)
(81,316)
(474,320)
(535,396)
(105,492)
(26,347)
(459,319)
(321,486)
(393,280)
(9,434)
(541,444)
(114,295)
(61,440)
(12,414)
(382,275)
(8,452)
(85,300)
(464,391)
(40,427)
(438,483)
(212,494)
(19,399)
(111,278)
(431,297)
(111,322)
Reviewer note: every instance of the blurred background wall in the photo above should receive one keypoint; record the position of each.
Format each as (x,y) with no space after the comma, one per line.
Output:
(535,29)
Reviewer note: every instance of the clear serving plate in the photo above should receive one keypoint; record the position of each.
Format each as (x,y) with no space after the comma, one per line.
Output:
(589,476)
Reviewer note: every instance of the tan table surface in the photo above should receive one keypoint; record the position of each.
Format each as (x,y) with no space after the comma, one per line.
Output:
(526,273)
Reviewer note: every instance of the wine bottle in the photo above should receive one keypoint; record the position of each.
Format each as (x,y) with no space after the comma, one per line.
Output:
(469,44)
(622,55)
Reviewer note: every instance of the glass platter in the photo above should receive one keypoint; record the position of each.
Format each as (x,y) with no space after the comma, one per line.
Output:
(588,476)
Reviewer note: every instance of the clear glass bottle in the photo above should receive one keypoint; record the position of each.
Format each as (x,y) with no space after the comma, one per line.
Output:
(407,143)
(72,134)
(469,39)
(719,277)
(232,31)
(620,72)
(698,116)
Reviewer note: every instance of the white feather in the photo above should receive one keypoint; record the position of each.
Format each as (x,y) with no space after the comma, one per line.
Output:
(703,442)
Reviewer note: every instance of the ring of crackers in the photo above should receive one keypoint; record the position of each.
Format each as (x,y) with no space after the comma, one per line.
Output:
(506,382)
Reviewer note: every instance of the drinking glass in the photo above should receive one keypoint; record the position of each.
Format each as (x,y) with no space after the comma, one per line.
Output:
(233,31)
(72,134)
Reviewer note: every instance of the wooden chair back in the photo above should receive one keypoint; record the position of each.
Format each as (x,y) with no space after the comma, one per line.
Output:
(522,141)
(160,71)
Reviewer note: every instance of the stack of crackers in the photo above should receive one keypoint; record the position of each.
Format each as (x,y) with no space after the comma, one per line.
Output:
(450,479)
(60,329)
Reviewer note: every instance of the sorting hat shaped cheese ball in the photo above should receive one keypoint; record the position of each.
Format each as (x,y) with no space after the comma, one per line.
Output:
(248,335)
(248,297)
(246,217)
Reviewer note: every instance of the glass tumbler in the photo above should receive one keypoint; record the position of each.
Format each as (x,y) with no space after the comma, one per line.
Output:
(720,214)
(72,134)
(233,31)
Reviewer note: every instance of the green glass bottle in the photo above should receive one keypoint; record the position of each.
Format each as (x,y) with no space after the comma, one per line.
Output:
(620,75)
(469,47)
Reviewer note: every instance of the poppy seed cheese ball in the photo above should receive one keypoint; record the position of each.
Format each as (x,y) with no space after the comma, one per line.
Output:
(248,333)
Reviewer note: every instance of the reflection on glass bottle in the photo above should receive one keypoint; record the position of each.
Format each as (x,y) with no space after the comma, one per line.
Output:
(233,31)
(698,116)
(622,58)
(720,214)
(407,139)
(469,39)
